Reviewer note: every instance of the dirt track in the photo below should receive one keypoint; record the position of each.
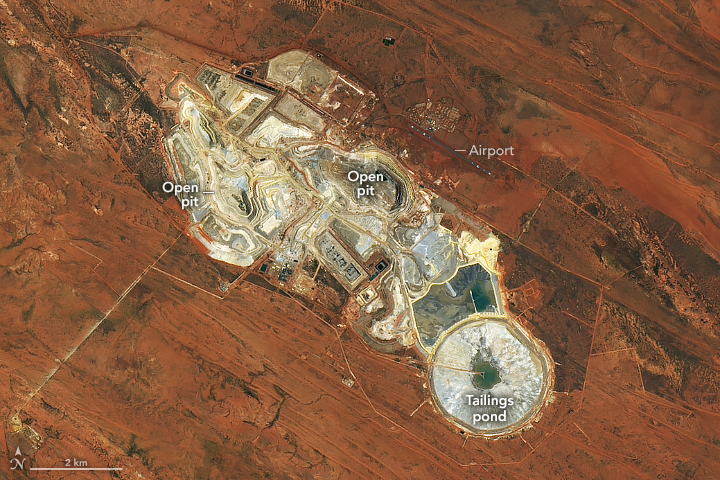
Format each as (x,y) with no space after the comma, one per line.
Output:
(610,208)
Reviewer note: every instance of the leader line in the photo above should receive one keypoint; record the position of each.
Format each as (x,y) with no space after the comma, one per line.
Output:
(454,152)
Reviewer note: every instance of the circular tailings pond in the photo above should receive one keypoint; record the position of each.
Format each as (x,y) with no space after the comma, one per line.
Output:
(490,376)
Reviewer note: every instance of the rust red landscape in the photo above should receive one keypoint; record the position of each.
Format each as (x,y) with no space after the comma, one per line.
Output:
(125,345)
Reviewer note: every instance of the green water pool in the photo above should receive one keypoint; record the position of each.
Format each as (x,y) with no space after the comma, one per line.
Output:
(485,374)
(480,296)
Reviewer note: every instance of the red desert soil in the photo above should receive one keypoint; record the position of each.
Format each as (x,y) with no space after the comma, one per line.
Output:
(124,346)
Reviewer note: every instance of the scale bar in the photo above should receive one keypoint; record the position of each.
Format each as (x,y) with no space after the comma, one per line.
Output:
(77,468)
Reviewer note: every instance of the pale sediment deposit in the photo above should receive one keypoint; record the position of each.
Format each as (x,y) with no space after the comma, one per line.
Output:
(498,350)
